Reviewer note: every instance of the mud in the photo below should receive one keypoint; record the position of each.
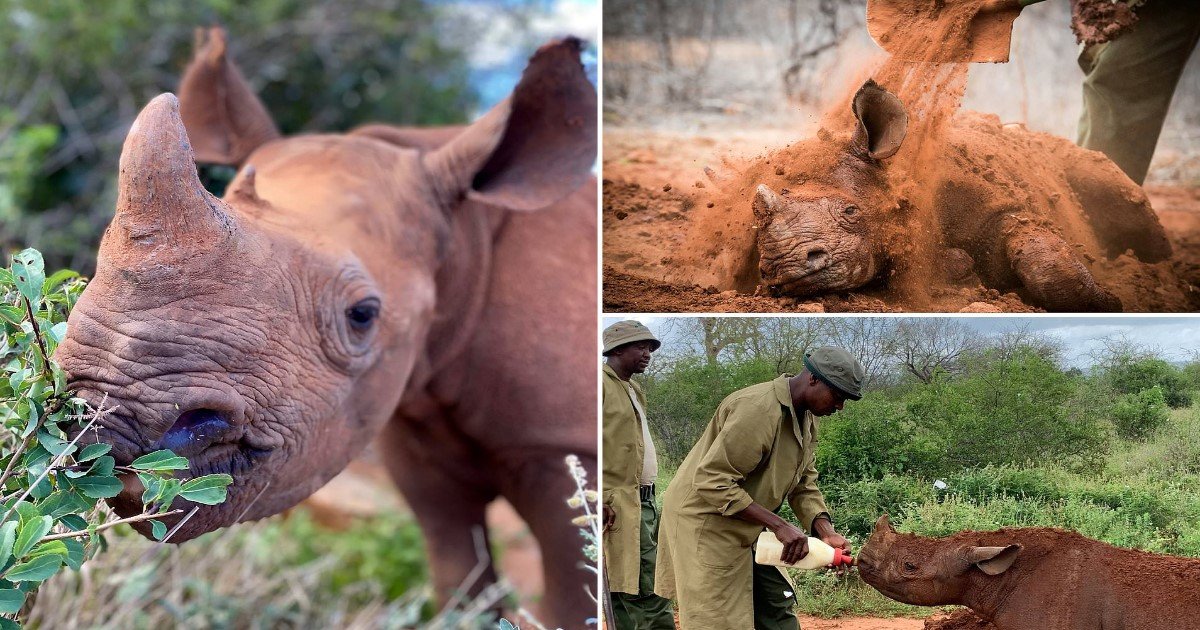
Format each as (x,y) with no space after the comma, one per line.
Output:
(1099,21)
(677,240)
(959,620)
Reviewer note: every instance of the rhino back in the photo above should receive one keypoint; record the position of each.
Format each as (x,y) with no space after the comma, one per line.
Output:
(988,172)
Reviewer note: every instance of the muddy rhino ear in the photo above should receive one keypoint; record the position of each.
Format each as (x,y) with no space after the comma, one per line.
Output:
(993,560)
(223,117)
(535,147)
(765,202)
(882,122)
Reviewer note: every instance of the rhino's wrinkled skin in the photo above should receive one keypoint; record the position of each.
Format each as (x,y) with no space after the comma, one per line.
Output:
(441,295)
(1025,220)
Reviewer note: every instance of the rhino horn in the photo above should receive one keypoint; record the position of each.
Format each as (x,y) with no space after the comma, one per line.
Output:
(158,191)
(883,525)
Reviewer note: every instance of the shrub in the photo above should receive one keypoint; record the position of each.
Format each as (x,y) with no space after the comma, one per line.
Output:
(1129,373)
(50,486)
(1140,414)
(1007,412)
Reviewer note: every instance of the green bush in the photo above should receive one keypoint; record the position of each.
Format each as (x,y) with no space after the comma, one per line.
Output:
(1140,414)
(870,438)
(50,486)
(682,401)
(1009,411)
(1173,451)
(1129,373)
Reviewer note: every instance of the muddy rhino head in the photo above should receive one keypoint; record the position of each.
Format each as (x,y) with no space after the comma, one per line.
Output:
(270,334)
(823,234)
(927,571)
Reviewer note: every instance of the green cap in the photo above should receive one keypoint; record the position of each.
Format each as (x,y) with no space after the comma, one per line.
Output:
(838,369)
(627,331)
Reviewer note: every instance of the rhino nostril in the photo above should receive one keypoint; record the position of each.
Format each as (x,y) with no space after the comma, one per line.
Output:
(817,257)
(196,430)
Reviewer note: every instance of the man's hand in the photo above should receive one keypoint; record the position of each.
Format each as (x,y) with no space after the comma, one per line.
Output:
(795,543)
(610,517)
(823,528)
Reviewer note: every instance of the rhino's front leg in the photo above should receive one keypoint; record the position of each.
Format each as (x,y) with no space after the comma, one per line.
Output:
(1051,272)
(449,498)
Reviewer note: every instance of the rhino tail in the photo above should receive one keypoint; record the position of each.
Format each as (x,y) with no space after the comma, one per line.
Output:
(224,119)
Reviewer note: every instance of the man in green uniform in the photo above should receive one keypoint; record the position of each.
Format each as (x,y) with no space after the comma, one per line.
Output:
(756,452)
(630,468)
(1130,80)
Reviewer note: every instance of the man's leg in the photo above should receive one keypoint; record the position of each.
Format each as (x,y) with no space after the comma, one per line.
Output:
(645,611)
(1129,83)
(774,601)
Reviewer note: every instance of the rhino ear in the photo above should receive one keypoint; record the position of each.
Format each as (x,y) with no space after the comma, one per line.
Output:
(531,150)
(882,122)
(993,560)
(223,117)
(765,203)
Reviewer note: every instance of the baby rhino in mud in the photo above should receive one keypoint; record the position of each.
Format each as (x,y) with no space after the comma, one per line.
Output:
(1013,209)
(1035,579)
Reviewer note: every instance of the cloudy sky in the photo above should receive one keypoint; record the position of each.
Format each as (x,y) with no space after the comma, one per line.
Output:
(1177,338)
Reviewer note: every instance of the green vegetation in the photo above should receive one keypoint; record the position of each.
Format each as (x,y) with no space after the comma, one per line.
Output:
(1017,439)
(53,480)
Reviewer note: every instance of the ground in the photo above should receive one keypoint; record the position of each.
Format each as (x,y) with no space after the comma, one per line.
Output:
(650,177)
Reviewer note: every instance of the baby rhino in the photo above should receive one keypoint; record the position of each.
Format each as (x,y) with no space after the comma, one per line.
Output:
(1022,211)
(1034,578)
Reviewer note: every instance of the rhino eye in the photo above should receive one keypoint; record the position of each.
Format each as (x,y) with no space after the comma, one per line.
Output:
(850,211)
(363,314)
(908,566)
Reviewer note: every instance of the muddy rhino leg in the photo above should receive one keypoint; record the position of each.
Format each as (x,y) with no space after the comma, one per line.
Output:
(449,499)
(538,486)
(1051,272)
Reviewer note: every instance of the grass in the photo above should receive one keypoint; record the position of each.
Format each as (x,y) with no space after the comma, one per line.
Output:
(283,572)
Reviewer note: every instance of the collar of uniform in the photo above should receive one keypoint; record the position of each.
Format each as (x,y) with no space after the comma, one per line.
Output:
(784,393)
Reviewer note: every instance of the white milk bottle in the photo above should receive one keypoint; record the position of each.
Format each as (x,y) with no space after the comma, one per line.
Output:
(768,550)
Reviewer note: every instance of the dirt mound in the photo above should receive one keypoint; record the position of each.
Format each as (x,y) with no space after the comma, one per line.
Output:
(959,620)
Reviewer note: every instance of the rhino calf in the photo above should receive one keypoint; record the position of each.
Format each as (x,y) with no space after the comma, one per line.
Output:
(1029,211)
(432,288)
(1035,579)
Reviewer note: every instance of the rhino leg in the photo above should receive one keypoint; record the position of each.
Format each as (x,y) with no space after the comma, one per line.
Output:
(1051,272)
(449,499)
(537,486)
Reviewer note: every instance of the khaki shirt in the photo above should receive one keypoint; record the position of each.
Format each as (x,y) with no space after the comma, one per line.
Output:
(622,470)
(755,449)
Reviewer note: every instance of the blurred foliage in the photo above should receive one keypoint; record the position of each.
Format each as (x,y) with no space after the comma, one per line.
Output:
(76,73)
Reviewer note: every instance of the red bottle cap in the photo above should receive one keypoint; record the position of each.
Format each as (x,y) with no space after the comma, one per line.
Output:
(840,558)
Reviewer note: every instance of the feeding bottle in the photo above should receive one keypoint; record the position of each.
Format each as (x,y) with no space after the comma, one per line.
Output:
(768,550)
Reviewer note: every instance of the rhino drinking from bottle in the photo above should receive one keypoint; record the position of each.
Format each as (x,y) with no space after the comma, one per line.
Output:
(348,287)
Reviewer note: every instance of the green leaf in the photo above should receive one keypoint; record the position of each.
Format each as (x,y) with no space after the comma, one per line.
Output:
(75,553)
(8,536)
(152,487)
(160,461)
(29,272)
(74,521)
(57,332)
(158,529)
(209,489)
(92,451)
(56,279)
(9,624)
(11,600)
(56,445)
(36,570)
(31,532)
(99,486)
(12,314)
(170,489)
(56,547)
